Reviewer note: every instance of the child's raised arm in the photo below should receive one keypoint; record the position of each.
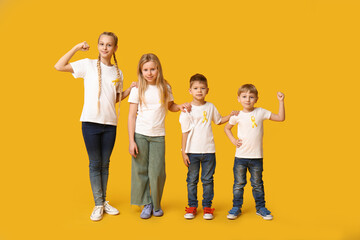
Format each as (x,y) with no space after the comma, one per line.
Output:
(236,142)
(281,115)
(63,63)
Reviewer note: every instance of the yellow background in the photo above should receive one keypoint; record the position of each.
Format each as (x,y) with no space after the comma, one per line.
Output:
(307,49)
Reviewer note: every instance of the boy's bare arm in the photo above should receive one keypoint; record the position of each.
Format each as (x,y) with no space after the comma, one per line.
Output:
(281,115)
(236,142)
(183,147)
(226,118)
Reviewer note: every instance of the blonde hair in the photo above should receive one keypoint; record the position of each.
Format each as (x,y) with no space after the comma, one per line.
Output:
(248,88)
(160,83)
(117,71)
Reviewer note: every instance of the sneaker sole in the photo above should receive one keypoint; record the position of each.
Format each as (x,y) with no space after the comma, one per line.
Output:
(112,213)
(231,217)
(95,219)
(156,215)
(265,218)
(208,218)
(189,217)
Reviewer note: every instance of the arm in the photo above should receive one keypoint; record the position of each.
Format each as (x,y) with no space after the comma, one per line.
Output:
(173,107)
(236,142)
(226,118)
(133,150)
(126,93)
(63,64)
(281,115)
(183,147)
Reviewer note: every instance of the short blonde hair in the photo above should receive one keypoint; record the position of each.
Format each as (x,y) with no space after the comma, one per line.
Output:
(248,88)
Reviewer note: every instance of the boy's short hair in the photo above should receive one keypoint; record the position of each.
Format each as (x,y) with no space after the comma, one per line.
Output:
(248,88)
(198,77)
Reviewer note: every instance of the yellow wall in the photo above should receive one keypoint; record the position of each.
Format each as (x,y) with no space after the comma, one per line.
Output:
(307,49)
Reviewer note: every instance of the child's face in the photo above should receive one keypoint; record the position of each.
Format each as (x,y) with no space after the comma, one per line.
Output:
(199,90)
(149,71)
(247,100)
(106,46)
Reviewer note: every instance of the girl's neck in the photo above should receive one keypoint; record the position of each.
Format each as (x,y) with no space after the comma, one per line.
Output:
(198,102)
(106,61)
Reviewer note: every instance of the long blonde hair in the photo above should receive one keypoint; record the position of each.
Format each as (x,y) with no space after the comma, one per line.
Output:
(117,71)
(160,83)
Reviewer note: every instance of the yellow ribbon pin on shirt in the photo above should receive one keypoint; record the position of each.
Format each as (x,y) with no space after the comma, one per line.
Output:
(204,119)
(116,81)
(253,122)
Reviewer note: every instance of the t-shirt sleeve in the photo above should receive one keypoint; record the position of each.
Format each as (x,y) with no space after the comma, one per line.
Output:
(216,116)
(134,95)
(233,120)
(80,67)
(266,114)
(185,122)
(171,97)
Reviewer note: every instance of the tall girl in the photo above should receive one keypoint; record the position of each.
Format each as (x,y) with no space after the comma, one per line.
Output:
(103,83)
(146,125)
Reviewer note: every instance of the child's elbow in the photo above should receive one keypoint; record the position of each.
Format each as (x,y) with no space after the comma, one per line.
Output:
(58,67)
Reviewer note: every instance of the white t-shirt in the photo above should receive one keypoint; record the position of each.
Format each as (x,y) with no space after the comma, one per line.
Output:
(250,131)
(87,69)
(150,120)
(198,122)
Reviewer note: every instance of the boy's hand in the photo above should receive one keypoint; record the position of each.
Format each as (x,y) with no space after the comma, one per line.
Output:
(186,160)
(237,142)
(234,113)
(280,96)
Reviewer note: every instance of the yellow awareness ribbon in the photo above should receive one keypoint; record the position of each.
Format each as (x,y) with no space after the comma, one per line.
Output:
(116,81)
(253,122)
(204,119)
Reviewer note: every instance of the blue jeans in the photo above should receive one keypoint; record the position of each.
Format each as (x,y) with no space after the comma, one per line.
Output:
(99,141)
(255,167)
(208,163)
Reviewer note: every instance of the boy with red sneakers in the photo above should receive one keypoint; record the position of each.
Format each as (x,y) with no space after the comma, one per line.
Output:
(198,147)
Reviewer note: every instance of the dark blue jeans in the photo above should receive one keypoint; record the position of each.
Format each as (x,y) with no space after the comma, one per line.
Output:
(208,163)
(99,140)
(255,167)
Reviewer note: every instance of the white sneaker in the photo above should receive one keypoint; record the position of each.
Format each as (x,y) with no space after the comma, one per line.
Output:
(110,209)
(97,213)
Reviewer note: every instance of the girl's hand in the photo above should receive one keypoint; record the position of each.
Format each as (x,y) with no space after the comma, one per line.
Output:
(133,149)
(234,113)
(185,107)
(237,143)
(82,46)
(280,96)
(133,84)
(186,160)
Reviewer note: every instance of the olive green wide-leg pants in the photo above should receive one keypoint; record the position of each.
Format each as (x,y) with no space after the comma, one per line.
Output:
(148,171)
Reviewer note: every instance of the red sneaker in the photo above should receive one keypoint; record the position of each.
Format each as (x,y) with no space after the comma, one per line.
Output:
(190,212)
(208,213)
